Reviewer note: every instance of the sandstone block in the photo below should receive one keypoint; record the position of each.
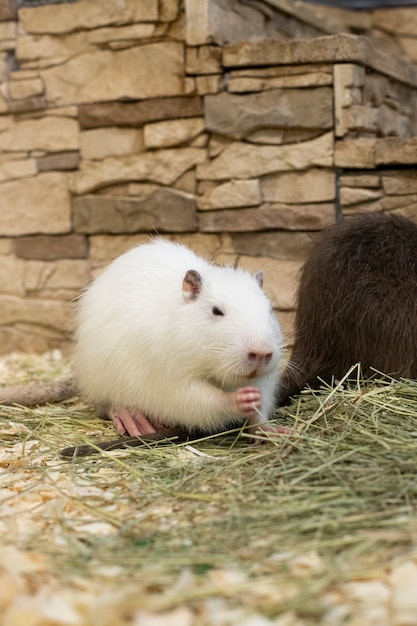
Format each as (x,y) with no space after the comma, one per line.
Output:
(365,180)
(32,339)
(208,84)
(400,183)
(280,279)
(47,133)
(132,32)
(285,246)
(161,166)
(399,20)
(50,49)
(45,248)
(350,195)
(37,103)
(55,279)
(138,113)
(11,276)
(100,143)
(277,136)
(8,10)
(355,153)
(52,314)
(172,132)
(16,168)
(86,14)
(165,210)
(150,70)
(268,217)
(313,185)
(35,205)
(241,160)
(393,150)
(263,79)
(22,89)
(238,115)
(236,193)
(198,27)
(203,60)
(347,78)
(60,161)
(341,48)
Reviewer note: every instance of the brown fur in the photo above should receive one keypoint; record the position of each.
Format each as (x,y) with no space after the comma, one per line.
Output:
(357,302)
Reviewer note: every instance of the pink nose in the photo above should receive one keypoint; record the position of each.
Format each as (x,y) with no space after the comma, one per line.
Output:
(260,356)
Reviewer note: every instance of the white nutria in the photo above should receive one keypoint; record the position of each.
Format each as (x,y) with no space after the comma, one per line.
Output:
(164,338)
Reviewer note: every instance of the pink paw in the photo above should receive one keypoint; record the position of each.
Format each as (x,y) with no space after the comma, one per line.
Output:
(265,428)
(248,401)
(132,422)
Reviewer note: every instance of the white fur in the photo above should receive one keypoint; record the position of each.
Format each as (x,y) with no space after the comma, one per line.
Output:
(139,343)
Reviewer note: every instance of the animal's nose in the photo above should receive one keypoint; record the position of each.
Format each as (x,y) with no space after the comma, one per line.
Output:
(260,356)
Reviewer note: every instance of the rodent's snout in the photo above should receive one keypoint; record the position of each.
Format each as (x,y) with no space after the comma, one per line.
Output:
(260,357)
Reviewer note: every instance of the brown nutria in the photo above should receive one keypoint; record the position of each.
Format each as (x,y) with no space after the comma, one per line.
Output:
(357,302)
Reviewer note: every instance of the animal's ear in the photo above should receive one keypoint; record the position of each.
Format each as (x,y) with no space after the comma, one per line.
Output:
(259,277)
(191,285)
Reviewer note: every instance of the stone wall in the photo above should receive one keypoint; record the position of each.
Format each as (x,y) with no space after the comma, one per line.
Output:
(123,119)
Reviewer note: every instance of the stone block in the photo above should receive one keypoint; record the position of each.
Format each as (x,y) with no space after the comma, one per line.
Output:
(398,20)
(130,33)
(139,113)
(203,60)
(172,132)
(267,217)
(198,28)
(165,210)
(46,50)
(11,169)
(51,314)
(208,84)
(48,133)
(86,14)
(60,161)
(8,10)
(149,70)
(351,195)
(263,79)
(23,89)
(160,166)
(395,151)
(355,153)
(235,193)
(11,275)
(278,136)
(341,48)
(242,160)
(399,183)
(35,205)
(100,143)
(28,105)
(360,180)
(59,279)
(285,246)
(51,248)
(239,115)
(308,186)
(347,78)
(280,279)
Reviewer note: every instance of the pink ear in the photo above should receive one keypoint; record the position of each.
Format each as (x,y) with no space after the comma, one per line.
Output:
(191,285)
(259,277)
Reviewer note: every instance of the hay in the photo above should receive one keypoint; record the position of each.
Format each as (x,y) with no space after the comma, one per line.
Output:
(222,525)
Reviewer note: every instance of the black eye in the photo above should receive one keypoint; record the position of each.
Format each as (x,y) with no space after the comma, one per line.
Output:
(216,311)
